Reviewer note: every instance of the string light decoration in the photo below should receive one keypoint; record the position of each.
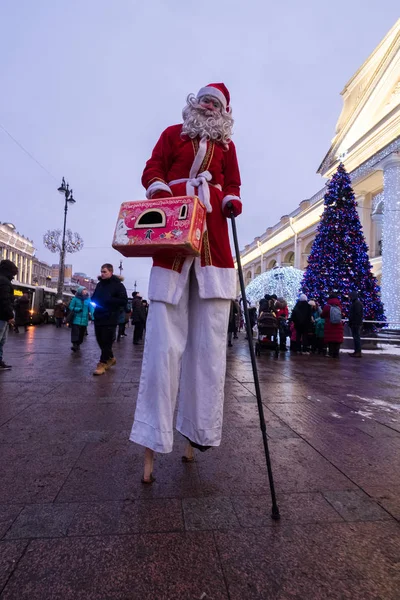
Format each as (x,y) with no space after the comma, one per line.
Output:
(390,240)
(52,241)
(339,261)
(283,281)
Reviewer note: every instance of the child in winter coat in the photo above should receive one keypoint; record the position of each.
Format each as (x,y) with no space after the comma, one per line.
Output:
(319,336)
(293,338)
(82,309)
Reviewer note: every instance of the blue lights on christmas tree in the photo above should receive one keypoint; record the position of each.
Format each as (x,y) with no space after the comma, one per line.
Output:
(339,261)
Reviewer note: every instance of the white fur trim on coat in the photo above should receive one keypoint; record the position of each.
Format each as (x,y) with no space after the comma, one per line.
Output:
(157,186)
(198,159)
(212,91)
(214,282)
(228,199)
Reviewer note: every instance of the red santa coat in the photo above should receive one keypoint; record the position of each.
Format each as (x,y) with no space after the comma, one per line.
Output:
(181,166)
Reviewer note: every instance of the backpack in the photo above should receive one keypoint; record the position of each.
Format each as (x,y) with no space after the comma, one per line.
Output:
(335,315)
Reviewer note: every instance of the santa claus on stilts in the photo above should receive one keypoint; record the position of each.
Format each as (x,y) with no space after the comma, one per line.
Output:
(185,350)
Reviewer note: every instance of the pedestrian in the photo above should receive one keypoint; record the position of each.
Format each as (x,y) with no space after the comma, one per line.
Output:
(8,270)
(60,310)
(22,314)
(232,322)
(264,304)
(356,317)
(185,350)
(82,310)
(301,317)
(252,310)
(108,297)
(124,313)
(237,320)
(319,336)
(138,317)
(333,328)
(293,337)
(282,314)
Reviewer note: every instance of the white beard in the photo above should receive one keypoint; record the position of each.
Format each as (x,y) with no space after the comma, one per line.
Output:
(121,232)
(213,125)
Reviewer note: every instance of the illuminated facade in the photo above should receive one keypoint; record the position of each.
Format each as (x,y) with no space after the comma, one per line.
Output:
(367,141)
(19,249)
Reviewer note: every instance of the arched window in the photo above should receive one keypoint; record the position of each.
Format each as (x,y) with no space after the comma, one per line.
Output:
(272,264)
(289,259)
(152,217)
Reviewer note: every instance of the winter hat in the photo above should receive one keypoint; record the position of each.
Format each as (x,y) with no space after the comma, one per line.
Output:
(282,302)
(79,291)
(218,91)
(8,268)
(353,296)
(303,298)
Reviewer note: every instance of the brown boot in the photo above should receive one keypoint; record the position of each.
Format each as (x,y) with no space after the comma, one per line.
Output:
(356,355)
(100,369)
(111,362)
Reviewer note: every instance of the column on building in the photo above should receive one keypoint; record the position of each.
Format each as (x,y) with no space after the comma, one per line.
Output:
(364,211)
(391,239)
(279,258)
(253,271)
(297,252)
(24,265)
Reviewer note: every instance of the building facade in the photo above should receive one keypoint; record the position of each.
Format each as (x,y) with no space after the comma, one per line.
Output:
(41,272)
(367,141)
(55,269)
(85,281)
(19,249)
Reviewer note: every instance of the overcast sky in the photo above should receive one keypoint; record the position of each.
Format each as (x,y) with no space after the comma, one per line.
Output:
(87,86)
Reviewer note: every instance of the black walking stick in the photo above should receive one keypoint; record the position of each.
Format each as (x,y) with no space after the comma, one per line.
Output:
(275,510)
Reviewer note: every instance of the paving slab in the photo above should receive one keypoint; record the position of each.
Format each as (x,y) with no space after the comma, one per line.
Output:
(76,522)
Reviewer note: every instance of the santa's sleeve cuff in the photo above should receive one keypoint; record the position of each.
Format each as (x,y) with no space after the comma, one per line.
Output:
(236,205)
(157,186)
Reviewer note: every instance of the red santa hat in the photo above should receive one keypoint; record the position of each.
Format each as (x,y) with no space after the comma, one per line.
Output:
(217,90)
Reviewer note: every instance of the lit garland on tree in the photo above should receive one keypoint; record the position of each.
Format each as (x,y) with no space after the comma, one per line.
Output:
(73,241)
(339,261)
(282,281)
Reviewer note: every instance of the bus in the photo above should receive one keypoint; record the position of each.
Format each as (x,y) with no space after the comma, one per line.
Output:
(42,300)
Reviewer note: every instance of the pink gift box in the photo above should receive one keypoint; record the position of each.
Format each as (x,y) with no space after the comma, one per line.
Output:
(169,226)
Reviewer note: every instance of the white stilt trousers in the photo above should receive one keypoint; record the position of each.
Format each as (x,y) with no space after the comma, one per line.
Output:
(184,358)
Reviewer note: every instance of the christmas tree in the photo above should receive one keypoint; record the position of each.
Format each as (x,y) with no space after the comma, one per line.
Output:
(339,261)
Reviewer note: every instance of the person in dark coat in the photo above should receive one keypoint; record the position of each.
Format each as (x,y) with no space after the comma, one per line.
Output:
(60,310)
(138,318)
(302,320)
(265,304)
(356,316)
(333,332)
(8,270)
(108,297)
(232,321)
(22,314)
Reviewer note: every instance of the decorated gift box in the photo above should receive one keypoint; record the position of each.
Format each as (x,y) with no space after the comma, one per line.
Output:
(166,225)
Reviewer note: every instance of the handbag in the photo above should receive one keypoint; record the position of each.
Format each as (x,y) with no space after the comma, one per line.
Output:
(70,317)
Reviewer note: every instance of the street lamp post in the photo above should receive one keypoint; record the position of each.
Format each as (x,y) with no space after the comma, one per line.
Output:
(69,198)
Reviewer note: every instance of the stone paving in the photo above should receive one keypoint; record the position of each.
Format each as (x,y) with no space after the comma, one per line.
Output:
(77,524)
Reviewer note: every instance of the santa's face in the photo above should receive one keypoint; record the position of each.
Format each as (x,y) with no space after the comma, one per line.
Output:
(210,104)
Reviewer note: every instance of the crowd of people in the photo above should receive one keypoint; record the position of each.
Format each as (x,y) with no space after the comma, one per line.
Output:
(311,328)
(109,309)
